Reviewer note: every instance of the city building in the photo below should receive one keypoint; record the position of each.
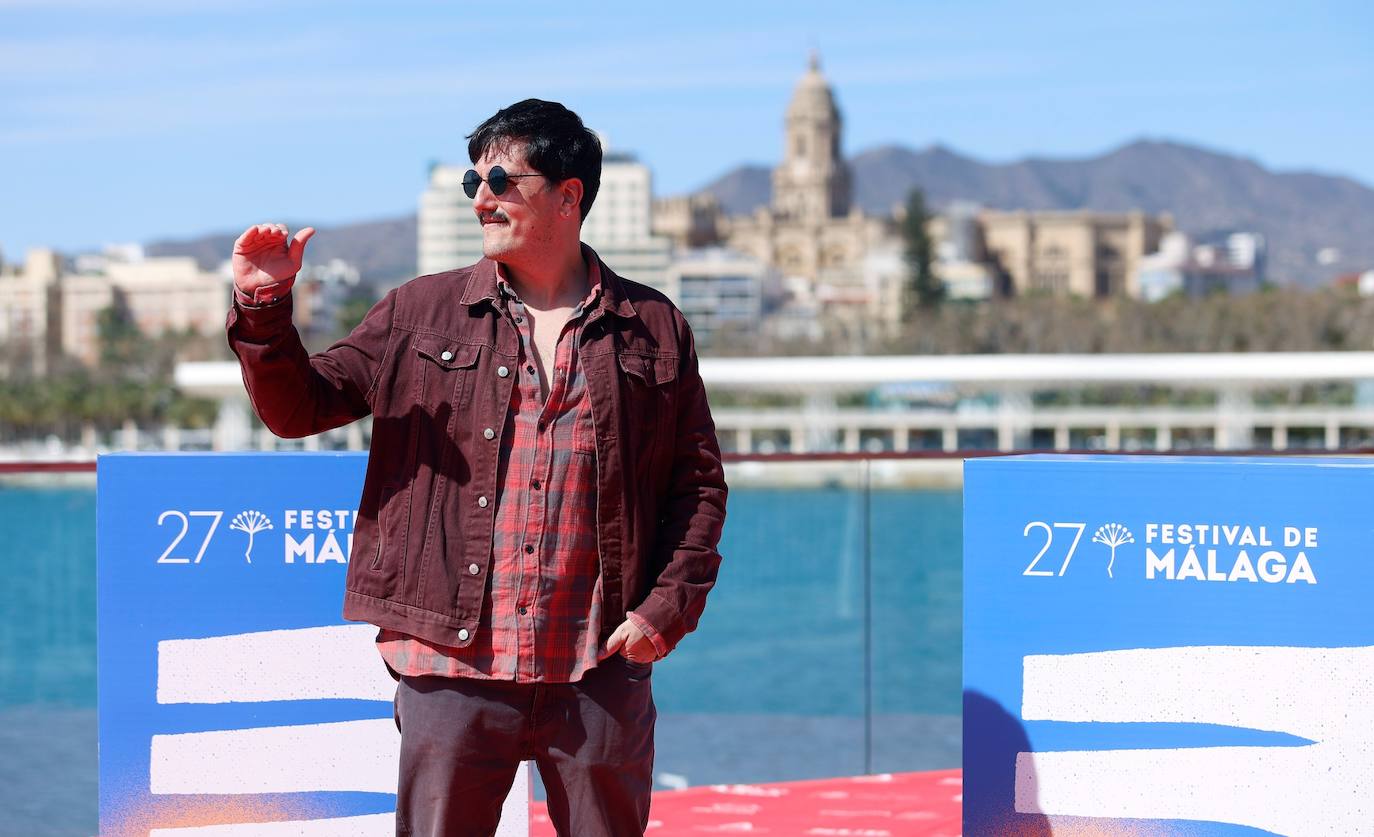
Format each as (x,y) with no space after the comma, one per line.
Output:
(1234,265)
(960,254)
(1070,253)
(618,226)
(968,281)
(689,220)
(812,230)
(448,234)
(321,290)
(29,328)
(825,248)
(46,311)
(159,294)
(720,292)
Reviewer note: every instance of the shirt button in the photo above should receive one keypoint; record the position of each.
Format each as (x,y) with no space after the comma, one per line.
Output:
(447,355)
(502,371)
(529,548)
(536,485)
(519,319)
(489,433)
(473,569)
(523,611)
(482,501)
(463,634)
(530,369)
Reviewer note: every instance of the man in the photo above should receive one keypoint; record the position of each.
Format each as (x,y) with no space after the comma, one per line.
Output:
(543,497)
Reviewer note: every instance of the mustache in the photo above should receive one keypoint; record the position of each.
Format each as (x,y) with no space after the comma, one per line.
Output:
(494,215)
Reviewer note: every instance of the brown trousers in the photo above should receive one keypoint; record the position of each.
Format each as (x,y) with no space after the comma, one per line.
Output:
(462,741)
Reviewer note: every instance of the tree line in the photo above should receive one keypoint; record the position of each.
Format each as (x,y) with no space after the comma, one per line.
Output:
(132,380)
(1272,320)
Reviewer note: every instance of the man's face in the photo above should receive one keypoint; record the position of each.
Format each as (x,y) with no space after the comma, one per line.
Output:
(518,223)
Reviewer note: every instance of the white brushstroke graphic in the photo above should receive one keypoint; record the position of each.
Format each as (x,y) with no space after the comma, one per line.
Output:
(345,756)
(371,825)
(334,662)
(1325,695)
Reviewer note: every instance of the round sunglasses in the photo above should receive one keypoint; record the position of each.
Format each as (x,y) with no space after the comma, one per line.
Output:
(497,180)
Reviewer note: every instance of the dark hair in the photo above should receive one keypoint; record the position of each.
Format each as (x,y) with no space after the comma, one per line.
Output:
(557,144)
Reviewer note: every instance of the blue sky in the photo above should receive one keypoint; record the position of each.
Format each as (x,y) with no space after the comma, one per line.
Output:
(144,119)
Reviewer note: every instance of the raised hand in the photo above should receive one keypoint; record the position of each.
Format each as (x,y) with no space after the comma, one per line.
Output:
(263,257)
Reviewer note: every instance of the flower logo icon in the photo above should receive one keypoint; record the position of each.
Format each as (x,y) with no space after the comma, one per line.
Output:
(1113,535)
(251,522)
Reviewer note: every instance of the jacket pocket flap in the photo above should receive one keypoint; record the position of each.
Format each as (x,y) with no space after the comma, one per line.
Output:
(653,370)
(447,353)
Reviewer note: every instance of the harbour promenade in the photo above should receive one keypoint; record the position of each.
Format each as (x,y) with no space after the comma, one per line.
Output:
(1310,401)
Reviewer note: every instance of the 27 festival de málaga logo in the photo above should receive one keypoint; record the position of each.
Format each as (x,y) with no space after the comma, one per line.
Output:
(1234,553)
(308,536)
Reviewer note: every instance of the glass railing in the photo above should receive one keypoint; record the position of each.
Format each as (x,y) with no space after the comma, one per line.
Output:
(47,654)
(830,646)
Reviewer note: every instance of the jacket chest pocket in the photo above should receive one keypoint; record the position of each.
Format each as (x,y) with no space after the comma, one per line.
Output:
(444,372)
(649,386)
(649,370)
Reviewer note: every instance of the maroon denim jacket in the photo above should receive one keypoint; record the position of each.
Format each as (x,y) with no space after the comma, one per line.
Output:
(434,363)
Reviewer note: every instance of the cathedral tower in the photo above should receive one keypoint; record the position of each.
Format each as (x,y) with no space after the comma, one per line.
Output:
(812,184)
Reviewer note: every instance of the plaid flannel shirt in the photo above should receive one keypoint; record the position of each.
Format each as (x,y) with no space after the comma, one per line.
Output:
(541,617)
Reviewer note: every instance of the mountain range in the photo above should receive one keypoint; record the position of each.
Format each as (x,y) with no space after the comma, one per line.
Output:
(383,250)
(1209,193)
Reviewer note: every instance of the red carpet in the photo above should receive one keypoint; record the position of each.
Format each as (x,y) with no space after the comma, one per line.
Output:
(886,805)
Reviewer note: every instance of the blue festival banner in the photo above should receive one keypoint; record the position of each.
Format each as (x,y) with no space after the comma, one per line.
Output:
(1168,646)
(233,698)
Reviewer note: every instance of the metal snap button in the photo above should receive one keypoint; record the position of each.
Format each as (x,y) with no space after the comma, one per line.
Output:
(447,355)
(473,569)
(502,371)
(482,501)
(463,634)
(489,433)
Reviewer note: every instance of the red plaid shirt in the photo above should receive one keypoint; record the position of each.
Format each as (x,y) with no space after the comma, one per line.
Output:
(541,617)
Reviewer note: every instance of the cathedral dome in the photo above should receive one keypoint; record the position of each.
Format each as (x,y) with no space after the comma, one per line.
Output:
(813,98)
(812,181)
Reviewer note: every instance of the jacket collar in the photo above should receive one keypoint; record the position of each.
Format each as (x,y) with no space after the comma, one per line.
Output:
(481,286)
